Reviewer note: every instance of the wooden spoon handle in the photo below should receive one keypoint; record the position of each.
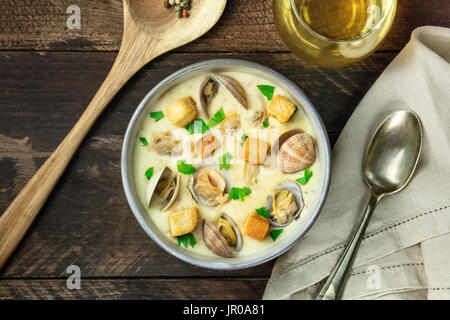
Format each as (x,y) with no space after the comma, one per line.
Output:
(18,217)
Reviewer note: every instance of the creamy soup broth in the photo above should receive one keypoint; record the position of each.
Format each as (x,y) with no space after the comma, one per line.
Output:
(267,180)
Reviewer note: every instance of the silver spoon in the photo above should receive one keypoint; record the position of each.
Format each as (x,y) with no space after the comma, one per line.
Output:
(389,164)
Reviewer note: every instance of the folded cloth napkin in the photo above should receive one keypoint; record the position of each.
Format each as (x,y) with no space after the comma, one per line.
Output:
(405,253)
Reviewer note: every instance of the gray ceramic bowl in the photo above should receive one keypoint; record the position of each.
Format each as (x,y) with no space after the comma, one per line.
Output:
(283,244)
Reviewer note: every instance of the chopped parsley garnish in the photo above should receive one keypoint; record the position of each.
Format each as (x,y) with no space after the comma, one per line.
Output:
(149,173)
(184,167)
(266,90)
(239,193)
(256,181)
(263,212)
(307,175)
(197,126)
(274,234)
(243,138)
(296,108)
(265,123)
(187,239)
(144,141)
(158,115)
(224,161)
(218,117)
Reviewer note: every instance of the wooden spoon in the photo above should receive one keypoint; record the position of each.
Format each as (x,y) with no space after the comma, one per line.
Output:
(149,31)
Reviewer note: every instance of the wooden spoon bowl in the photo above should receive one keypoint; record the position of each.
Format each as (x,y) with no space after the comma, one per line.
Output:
(149,31)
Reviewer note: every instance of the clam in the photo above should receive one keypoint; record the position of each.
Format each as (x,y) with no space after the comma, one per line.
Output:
(285,204)
(208,187)
(210,86)
(208,90)
(206,145)
(222,237)
(234,87)
(165,185)
(163,143)
(296,153)
(259,117)
(286,135)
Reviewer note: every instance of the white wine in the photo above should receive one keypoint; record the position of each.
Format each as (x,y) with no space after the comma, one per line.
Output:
(333,32)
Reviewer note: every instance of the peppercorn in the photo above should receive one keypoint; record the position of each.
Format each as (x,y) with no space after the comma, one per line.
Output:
(185,13)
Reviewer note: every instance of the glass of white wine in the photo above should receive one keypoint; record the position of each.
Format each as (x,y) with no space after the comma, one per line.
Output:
(333,33)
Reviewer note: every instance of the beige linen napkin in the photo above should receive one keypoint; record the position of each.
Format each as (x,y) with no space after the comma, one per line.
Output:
(405,253)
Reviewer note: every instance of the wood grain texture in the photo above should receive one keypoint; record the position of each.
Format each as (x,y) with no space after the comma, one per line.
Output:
(196,289)
(246,26)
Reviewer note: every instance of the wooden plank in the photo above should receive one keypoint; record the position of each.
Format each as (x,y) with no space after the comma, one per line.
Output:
(195,289)
(245,26)
(87,221)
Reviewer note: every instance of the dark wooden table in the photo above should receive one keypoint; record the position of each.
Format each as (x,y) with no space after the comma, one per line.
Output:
(48,74)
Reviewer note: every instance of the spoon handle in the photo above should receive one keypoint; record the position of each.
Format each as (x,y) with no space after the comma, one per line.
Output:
(334,287)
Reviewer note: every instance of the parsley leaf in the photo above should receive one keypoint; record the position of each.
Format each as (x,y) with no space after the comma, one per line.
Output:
(197,126)
(296,108)
(192,240)
(187,239)
(224,161)
(307,175)
(266,90)
(263,212)
(243,138)
(265,123)
(158,115)
(218,117)
(144,141)
(184,167)
(239,193)
(274,234)
(149,173)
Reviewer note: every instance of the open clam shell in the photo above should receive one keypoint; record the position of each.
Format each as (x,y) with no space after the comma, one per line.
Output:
(234,87)
(207,187)
(295,188)
(237,231)
(216,242)
(210,86)
(166,185)
(190,189)
(208,89)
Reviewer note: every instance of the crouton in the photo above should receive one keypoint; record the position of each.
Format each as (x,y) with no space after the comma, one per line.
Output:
(182,222)
(206,145)
(281,108)
(182,112)
(254,150)
(256,226)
